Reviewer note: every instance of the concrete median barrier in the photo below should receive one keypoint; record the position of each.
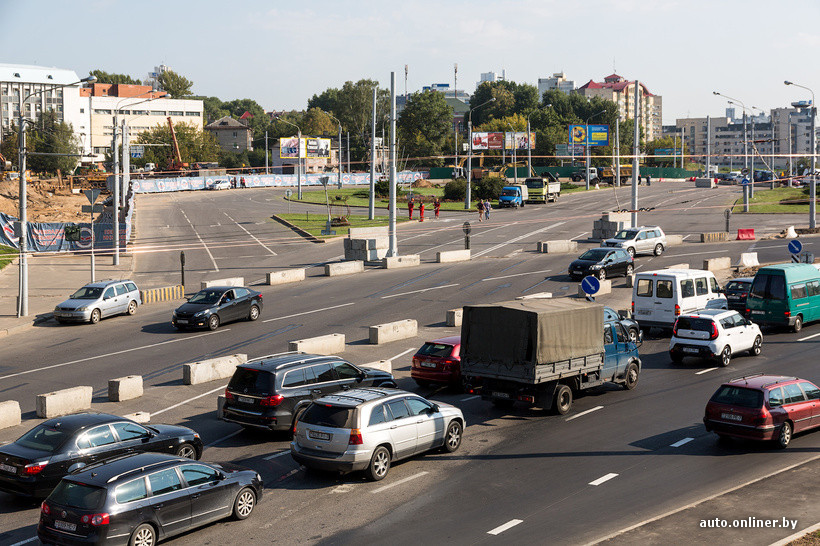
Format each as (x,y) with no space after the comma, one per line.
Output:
(715,237)
(393,331)
(321,345)
(674,240)
(344,268)
(285,276)
(230,281)
(383,365)
(704,182)
(124,388)
(748,259)
(10,415)
(64,402)
(716,264)
(606,288)
(454,317)
(397,262)
(366,232)
(211,369)
(139,417)
(677,266)
(448,256)
(163,293)
(558,247)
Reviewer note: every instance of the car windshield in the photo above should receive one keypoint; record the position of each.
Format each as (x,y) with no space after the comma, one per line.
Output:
(44,438)
(738,396)
(509,192)
(206,296)
(740,286)
(77,495)
(87,293)
(435,349)
(535,184)
(250,381)
(594,254)
(626,234)
(326,415)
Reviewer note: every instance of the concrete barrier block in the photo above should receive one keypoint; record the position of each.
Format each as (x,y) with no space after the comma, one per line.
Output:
(606,288)
(10,415)
(559,247)
(536,296)
(230,281)
(220,406)
(704,182)
(344,268)
(454,317)
(141,417)
(674,240)
(617,217)
(397,262)
(748,259)
(383,365)
(124,388)
(716,264)
(364,232)
(715,237)
(211,369)
(630,281)
(321,345)
(677,266)
(347,244)
(64,402)
(377,243)
(393,331)
(285,276)
(448,256)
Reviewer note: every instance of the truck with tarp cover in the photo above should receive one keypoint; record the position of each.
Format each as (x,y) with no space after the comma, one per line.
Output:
(544,352)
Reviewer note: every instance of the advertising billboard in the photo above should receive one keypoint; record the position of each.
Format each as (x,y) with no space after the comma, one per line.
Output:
(590,135)
(488,141)
(289,147)
(518,140)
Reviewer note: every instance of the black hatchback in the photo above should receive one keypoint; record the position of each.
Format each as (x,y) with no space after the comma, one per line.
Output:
(144,498)
(33,464)
(217,305)
(736,291)
(602,262)
(271,392)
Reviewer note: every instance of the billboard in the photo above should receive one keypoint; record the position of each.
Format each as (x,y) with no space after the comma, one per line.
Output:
(569,149)
(590,135)
(488,141)
(518,140)
(317,147)
(289,147)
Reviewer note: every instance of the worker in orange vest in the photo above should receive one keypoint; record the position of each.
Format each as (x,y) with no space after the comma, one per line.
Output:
(421,211)
(410,207)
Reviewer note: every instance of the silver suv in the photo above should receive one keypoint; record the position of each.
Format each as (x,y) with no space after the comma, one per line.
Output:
(641,240)
(366,429)
(97,300)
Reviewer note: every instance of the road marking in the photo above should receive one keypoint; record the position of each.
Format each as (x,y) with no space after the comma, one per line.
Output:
(222,388)
(509,525)
(394,484)
(603,479)
(697,253)
(581,235)
(576,416)
(686,237)
(208,250)
(113,354)
(275,455)
(516,239)
(251,234)
(402,354)
(24,541)
(681,442)
(470,398)
(418,291)
(289,474)
(219,441)
(808,337)
(515,275)
(309,312)
(707,370)
(461,239)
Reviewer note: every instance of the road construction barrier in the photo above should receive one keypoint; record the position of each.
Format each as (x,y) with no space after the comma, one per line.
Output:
(344,268)
(285,276)
(448,256)
(791,233)
(677,266)
(397,262)
(211,369)
(321,345)
(10,415)
(704,182)
(454,317)
(747,234)
(748,259)
(715,237)
(557,247)
(230,281)
(141,417)
(716,264)
(606,288)
(164,293)
(393,331)
(674,240)
(64,402)
(383,365)
(124,388)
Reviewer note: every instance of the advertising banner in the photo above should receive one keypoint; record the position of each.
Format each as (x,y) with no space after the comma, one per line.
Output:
(289,147)
(495,141)
(317,147)
(480,141)
(569,150)
(50,236)
(518,140)
(590,135)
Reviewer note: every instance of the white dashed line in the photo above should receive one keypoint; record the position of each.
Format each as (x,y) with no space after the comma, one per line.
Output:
(394,484)
(576,416)
(516,275)
(24,541)
(402,354)
(808,337)
(309,312)
(681,442)
(419,291)
(470,398)
(509,525)
(603,479)
(516,239)
(707,370)
(275,455)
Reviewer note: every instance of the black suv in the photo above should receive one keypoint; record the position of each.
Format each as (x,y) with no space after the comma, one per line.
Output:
(271,392)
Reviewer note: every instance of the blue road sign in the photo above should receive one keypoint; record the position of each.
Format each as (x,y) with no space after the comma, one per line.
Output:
(795,246)
(590,285)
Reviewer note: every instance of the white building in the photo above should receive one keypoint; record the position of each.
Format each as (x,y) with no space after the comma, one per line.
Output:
(491,77)
(558,81)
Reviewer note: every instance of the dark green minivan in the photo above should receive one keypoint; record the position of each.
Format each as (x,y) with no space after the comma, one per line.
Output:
(785,294)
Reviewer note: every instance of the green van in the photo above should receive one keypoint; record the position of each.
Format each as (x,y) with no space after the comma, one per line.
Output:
(785,294)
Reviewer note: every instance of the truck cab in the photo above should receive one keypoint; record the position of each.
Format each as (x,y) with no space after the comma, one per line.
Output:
(580,174)
(512,196)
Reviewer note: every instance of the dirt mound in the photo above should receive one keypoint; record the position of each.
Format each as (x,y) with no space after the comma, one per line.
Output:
(43,205)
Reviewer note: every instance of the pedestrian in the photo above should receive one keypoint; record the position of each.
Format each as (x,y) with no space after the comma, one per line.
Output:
(487,209)
(421,211)
(648,180)
(242,181)
(437,206)
(480,207)
(410,205)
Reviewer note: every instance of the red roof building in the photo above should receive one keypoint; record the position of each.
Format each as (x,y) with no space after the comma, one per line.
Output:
(622,92)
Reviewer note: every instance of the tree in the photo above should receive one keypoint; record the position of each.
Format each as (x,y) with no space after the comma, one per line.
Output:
(664,142)
(105,77)
(47,135)
(9,146)
(214,108)
(175,85)
(194,145)
(424,125)
(318,122)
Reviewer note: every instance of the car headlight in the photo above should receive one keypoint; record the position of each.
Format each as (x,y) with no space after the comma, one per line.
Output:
(202,313)
(82,308)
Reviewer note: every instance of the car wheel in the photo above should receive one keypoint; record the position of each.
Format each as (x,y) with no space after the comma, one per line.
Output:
(452,438)
(213,322)
(132,307)
(631,376)
(756,347)
(785,435)
(563,399)
(144,535)
(631,251)
(254,313)
(677,358)
(95,316)
(186,450)
(798,324)
(725,356)
(379,464)
(244,504)
(658,249)
(634,335)
(601,274)
(629,270)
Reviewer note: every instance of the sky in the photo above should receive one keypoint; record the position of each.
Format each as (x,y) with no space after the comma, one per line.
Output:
(282,53)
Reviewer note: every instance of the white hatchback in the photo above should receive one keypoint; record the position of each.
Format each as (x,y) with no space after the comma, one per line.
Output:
(714,334)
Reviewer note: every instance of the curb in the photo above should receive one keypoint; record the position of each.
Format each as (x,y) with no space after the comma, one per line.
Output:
(797,535)
(39,319)
(304,234)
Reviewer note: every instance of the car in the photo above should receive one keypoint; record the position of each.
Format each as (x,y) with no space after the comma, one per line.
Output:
(33,464)
(716,334)
(602,262)
(633,329)
(369,429)
(98,300)
(641,240)
(438,361)
(217,305)
(763,407)
(736,291)
(220,185)
(659,297)
(140,499)
(271,391)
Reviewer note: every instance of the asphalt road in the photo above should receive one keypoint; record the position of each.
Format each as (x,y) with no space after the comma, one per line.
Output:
(522,465)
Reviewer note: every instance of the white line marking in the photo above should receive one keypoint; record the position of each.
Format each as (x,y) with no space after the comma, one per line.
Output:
(576,416)
(222,388)
(309,312)
(681,442)
(581,235)
(231,435)
(686,237)
(394,484)
(249,233)
(697,253)
(208,250)
(275,455)
(509,525)
(603,479)
(516,275)
(418,291)
(24,541)
(516,239)
(707,370)
(808,337)
(111,354)
(470,398)
(402,354)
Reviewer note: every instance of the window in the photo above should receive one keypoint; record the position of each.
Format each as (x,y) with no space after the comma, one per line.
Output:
(96,437)
(608,334)
(234,134)
(812,392)
(121,289)
(620,333)
(251,381)
(417,406)
(192,114)
(793,393)
(377,415)
(345,370)
(131,286)
(727,323)
(324,373)
(109,292)
(644,288)
(435,349)
(294,378)
(329,416)
(241,292)
(175,113)
(687,288)
(798,291)
(398,409)
(813,288)
(164,482)
(82,110)
(770,287)
(101,111)
(701,286)
(738,396)
(44,438)
(738,320)
(131,491)
(78,495)
(664,289)
(157,113)
(776,397)
(129,431)
(714,285)
(197,474)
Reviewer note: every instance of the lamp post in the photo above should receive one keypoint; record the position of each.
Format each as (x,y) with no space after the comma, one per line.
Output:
(299,157)
(745,138)
(813,145)
(529,140)
(22,298)
(515,156)
(339,179)
(467,204)
(586,128)
(749,161)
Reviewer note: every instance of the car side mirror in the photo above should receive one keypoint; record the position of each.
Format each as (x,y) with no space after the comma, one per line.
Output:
(436,408)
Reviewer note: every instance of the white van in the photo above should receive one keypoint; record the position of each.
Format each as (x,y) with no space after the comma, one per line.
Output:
(659,297)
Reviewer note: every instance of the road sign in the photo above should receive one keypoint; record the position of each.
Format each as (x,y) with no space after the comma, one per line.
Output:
(92,195)
(590,285)
(97,209)
(137,151)
(467,228)
(795,246)
(288,193)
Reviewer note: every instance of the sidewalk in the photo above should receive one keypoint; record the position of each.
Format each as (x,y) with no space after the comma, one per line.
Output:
(51,279)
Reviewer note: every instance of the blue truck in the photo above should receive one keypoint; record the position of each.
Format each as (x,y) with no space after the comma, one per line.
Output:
(513,196)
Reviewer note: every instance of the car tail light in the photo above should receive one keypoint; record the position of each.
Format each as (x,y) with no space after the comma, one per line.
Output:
(229,395)
(527,398)
(95,519)
(714,333)
(787,314)
(355,437)
(677,310)
(748,311)
(44,508)
(416,362)
(33,469)
(763,417)
(270,401)
(633,308)
(744,294)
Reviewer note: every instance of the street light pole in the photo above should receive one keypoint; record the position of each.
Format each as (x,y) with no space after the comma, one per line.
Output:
(813,145)
(467,203)
(515,157)
(745,137)
(529,140)
(586,129)
(339,158)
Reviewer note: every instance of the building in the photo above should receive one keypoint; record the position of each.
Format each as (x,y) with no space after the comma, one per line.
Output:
(232,135)
(491,77)
(558,81)
(622,92)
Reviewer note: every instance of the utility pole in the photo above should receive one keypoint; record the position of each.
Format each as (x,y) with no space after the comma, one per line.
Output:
(675,150)
(682,145)
(791,171)
(22,299)
(635,162)
(299,165)
(266,153)
(618,149)
(708,144)
(371,205)
(455,124)
(116,199)
(392,246)
(348,151)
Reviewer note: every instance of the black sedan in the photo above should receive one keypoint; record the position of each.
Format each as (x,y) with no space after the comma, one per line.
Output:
(603,263)
(33,464)
(213,306)
(736,291)
(144,498)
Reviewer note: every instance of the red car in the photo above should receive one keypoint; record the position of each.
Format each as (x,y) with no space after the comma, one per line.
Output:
(764,407)
(438,361)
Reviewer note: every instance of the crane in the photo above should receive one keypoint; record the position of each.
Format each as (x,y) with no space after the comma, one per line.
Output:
(175,164)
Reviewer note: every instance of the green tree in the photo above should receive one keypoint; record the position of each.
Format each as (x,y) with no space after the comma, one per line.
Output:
(105,77)
(176,85)
(318,122)
(424,126)
(194,145)
(9,146)
(663,142)
(214,108)
(47,135)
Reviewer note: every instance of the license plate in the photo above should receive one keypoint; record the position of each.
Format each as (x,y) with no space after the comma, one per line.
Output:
(643,312)
(317,435)
(245,399)
(65,526)
(427,364)
(182,321)
(8,468)
(501,395)
(731,417)
(690,350)
(758,312)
